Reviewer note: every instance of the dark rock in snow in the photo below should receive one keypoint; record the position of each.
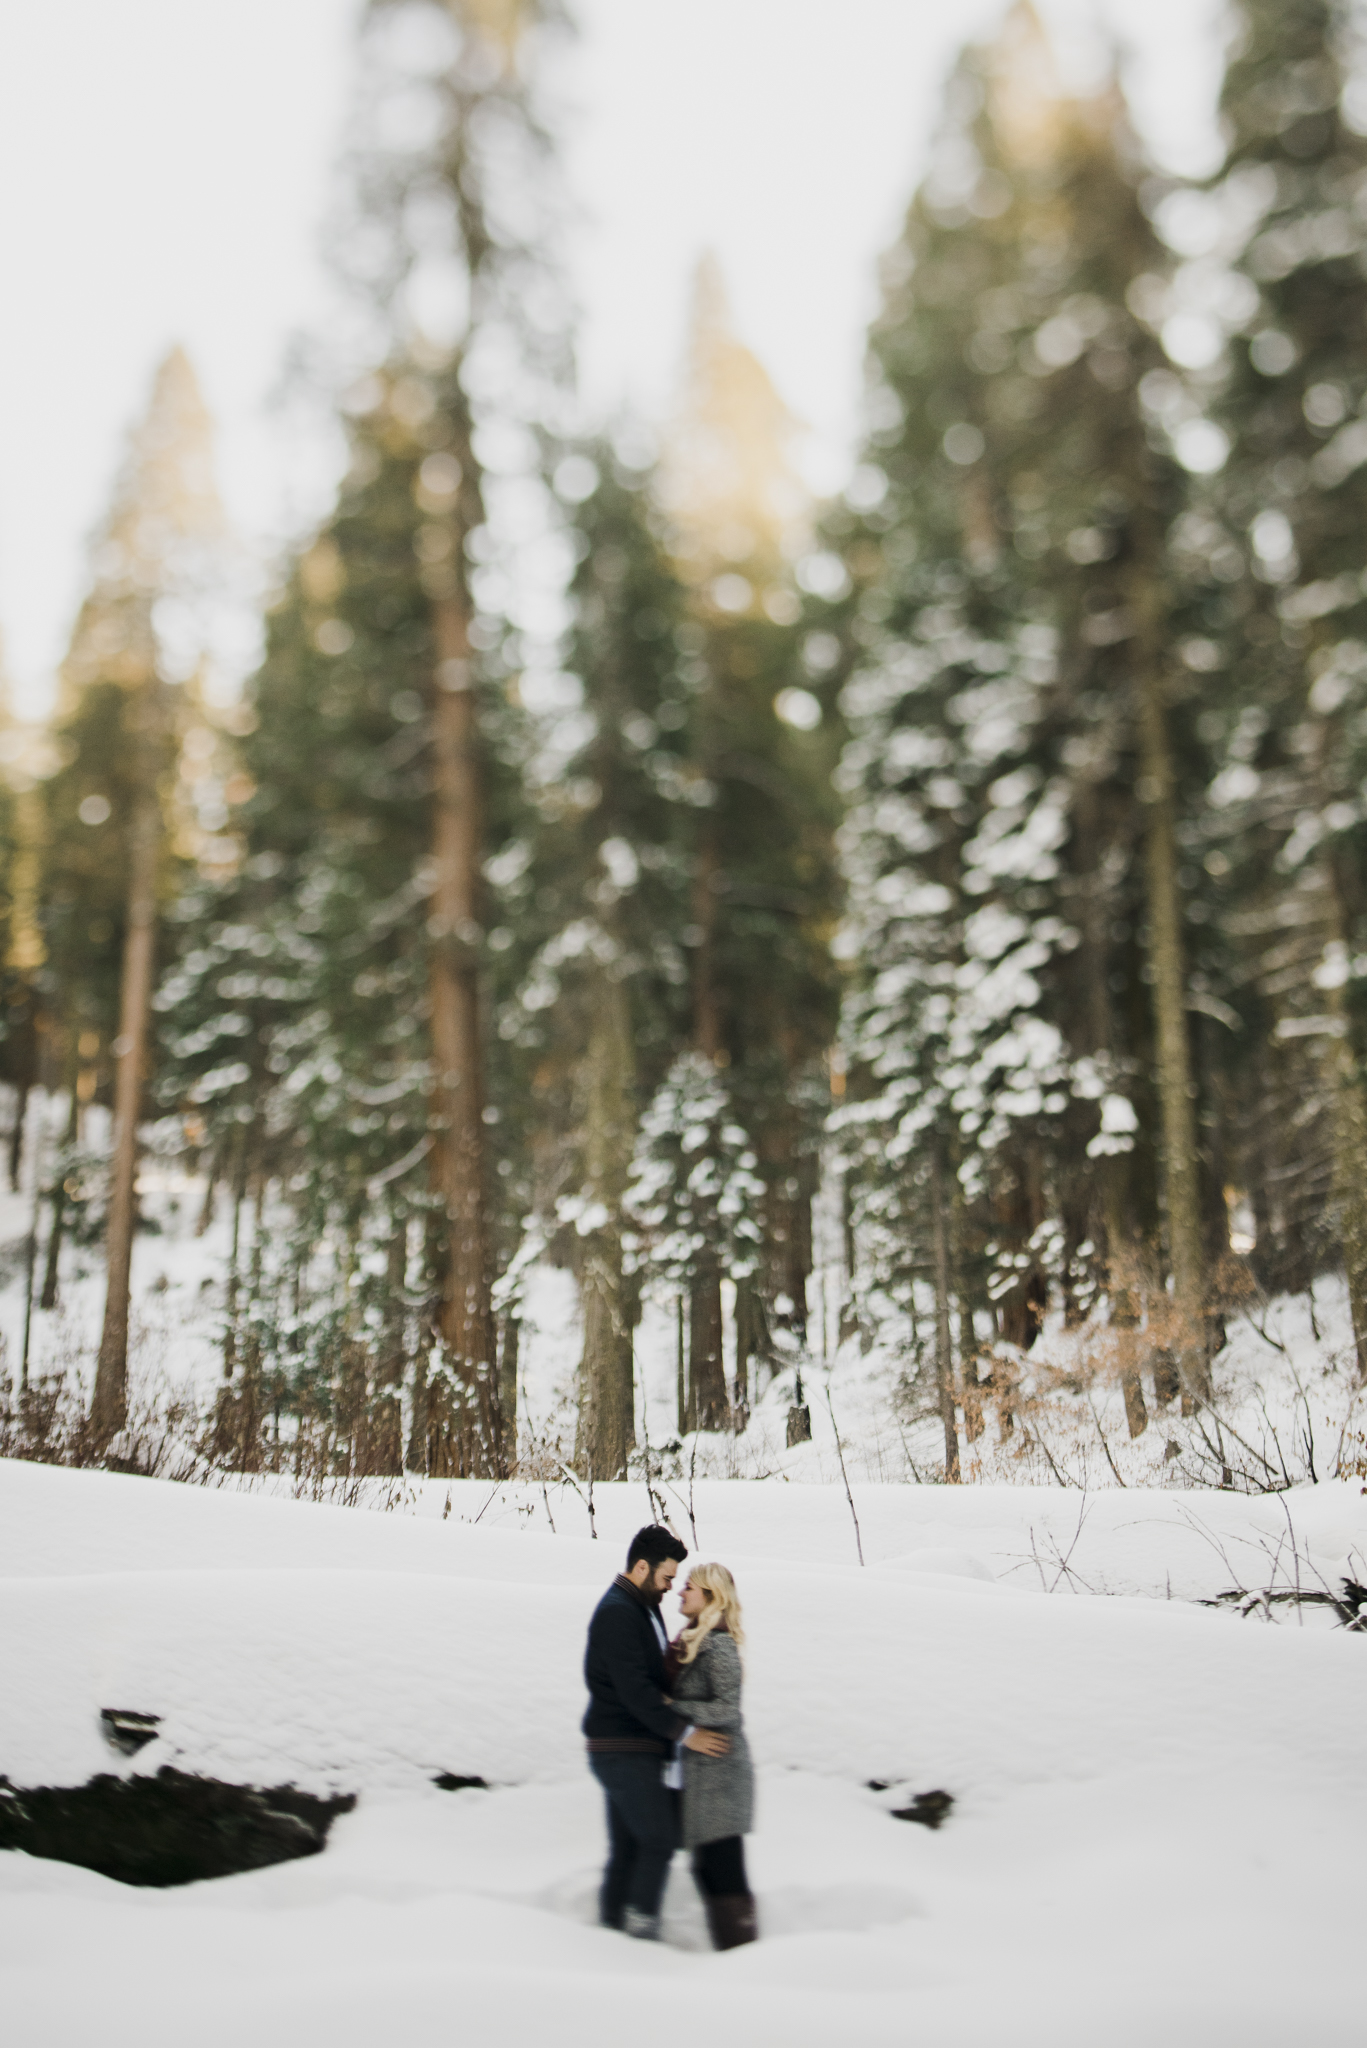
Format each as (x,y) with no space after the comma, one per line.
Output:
(170,1829)
(126,1731)
(447,1781)
(930,1808)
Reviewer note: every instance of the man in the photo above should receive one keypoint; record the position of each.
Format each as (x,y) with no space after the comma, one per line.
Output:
(633,1734)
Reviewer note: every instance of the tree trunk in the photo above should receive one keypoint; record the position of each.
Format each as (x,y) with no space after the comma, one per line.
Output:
(508,1349)
(206,1207)
(31,1250)
(1120,1280)
(16,1136)
(1351,1156)
(249,1412)
(48,1297)
(944,1353)
(418,1457)
(708,1400)
(233,1283)
(1181,1176)
(606,1430)
(970,1394)
(752,1340)
(707,1016)
(1017,1212)
(709,1407)
(607,1406)
(681,1372)
(387,1450)
(788,1207)
(466,1317)
(1350,1139)
(1111,1170)
(109,1409)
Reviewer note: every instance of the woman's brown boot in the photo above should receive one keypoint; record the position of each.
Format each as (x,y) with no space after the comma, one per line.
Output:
(732,1921)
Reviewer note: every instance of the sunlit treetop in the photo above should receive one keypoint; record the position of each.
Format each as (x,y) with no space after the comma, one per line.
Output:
(728,481)
(155,551)
(26,754)
(1025,95)
(502,21)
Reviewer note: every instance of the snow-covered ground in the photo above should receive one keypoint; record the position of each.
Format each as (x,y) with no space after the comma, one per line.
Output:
(1159,1807)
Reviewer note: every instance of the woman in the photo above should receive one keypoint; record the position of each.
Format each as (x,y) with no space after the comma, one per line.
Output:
(704,1675)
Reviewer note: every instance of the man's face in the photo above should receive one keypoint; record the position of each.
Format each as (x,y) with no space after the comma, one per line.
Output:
(654,1584)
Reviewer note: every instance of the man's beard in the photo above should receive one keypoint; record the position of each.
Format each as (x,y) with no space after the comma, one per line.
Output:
(654,1594)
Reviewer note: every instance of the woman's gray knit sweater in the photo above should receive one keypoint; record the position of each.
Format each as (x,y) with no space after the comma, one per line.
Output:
(719,1791)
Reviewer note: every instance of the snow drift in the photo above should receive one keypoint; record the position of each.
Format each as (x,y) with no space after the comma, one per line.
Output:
(1133,1777)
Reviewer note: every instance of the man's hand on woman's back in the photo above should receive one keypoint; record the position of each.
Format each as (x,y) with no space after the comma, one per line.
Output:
(706,1741)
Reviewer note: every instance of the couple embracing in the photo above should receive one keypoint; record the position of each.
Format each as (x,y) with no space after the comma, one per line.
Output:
(666,1742)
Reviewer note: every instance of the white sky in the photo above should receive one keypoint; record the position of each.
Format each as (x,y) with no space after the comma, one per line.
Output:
(165,165)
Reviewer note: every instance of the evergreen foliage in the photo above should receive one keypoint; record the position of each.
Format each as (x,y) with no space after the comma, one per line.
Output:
(604,1003)
(765,888)
(1019,750)
(1018,808)
(1291,504)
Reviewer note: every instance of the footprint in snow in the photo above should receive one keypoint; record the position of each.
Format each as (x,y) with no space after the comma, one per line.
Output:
(791,1909)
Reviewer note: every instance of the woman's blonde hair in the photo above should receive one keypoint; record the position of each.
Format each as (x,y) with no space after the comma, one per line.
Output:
(723,1605)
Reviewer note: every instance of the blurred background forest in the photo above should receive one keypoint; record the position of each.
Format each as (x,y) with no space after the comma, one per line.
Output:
(919,934)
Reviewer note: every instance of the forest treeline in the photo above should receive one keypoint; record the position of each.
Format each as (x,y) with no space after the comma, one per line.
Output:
(609,844)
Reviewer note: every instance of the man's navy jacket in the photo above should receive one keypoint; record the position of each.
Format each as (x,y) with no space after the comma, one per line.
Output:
(624,1670)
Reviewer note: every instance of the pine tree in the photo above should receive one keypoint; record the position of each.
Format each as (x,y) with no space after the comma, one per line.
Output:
(765,891)
(463,198)
(369,968)
(1014,745)
(1292,501)
(610,869)
(300,1014)
(136,643)
(696,1200)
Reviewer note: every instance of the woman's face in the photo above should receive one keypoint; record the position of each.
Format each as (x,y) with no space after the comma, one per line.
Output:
(692,1601)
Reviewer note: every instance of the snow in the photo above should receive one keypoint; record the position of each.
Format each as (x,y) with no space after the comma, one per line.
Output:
(1159,1807)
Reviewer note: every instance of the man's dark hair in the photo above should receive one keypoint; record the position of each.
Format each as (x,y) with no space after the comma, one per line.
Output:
(655,1544)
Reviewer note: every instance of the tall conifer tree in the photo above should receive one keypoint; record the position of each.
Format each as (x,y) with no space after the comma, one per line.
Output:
(137,640)
(387,768)
(1294,501)
(764,885)
(454,210)
(1014,759)
(610,865)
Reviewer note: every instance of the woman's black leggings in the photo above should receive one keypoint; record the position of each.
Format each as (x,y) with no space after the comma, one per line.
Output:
(719,1868)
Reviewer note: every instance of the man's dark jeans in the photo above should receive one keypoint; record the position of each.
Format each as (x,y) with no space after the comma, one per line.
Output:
(643,1832)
